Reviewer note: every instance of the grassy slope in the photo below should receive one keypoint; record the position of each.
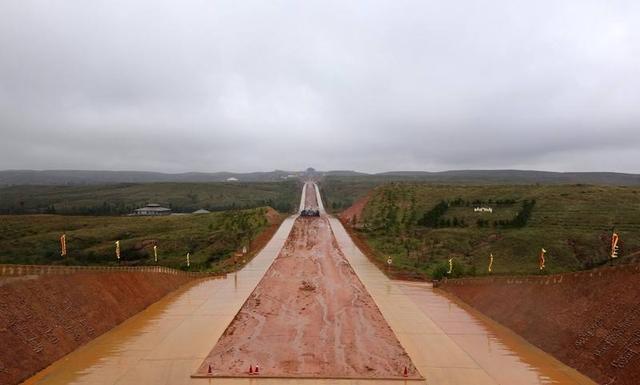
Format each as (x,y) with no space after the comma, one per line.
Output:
(341,190)
(210,238)
(123,198)
(572,222)
(340,193)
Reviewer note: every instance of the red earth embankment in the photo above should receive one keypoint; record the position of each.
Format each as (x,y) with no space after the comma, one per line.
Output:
(43,318)
(354,213)
(588,320)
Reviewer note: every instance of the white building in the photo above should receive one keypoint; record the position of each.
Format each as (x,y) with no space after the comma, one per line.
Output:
(152,209)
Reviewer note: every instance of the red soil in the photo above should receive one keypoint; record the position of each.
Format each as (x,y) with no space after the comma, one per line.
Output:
(273,217)
(588,320)
(310,198)
(353,214)
(310,316)
(42,318)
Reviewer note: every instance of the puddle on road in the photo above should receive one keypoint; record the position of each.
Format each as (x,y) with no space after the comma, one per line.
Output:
(507,357)
(112,353)
(450,342)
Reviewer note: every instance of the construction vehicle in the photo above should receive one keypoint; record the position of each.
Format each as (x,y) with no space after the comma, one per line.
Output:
(310,213)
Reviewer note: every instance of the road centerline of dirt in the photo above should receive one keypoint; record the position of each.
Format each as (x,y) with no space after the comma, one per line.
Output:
(309,317)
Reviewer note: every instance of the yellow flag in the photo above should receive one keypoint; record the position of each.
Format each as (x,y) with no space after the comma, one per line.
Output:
(63,245)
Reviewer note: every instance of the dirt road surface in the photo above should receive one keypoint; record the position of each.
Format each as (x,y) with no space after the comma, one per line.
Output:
(310,316)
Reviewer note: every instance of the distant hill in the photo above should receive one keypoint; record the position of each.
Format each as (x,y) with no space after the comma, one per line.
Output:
(502,176)
(88,177)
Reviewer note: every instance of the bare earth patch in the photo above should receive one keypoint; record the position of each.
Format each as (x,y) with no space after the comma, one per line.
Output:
(310,316)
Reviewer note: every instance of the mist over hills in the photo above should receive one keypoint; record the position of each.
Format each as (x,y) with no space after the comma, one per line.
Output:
(97,177)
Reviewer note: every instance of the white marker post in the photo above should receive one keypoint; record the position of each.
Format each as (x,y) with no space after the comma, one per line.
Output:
(155,253)
(188,262)
(389,262)
(450,266)
(118,250)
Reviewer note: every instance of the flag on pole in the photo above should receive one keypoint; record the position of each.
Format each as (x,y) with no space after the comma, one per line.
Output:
(118,250)
(63,245)
(541,259)
(450,266)
(614,245)
(155,253)
(188,262)
(490,261)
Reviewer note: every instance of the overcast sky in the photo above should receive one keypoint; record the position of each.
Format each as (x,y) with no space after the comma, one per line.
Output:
(374,85)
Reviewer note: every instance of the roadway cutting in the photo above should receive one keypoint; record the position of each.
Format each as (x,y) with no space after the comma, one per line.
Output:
(310,316)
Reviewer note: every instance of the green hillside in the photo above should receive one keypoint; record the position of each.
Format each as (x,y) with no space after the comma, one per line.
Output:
(210,238)
(422,225)
(339,192)
(124,198)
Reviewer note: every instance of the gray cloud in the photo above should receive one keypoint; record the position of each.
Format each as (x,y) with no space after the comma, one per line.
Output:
(373,86)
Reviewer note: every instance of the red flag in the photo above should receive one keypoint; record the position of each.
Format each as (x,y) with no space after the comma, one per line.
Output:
(614,245)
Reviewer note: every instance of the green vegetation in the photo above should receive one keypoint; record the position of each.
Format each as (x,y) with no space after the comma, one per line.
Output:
(339,193)
(434,218)
(423,225)
(124,198)
(341,189)
(210,238)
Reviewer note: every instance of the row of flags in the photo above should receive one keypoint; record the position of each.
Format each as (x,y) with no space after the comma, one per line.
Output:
(63,250)
(615,238)
(541,259)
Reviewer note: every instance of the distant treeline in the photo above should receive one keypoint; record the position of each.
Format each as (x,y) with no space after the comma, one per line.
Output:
(123,199)
(107,208)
